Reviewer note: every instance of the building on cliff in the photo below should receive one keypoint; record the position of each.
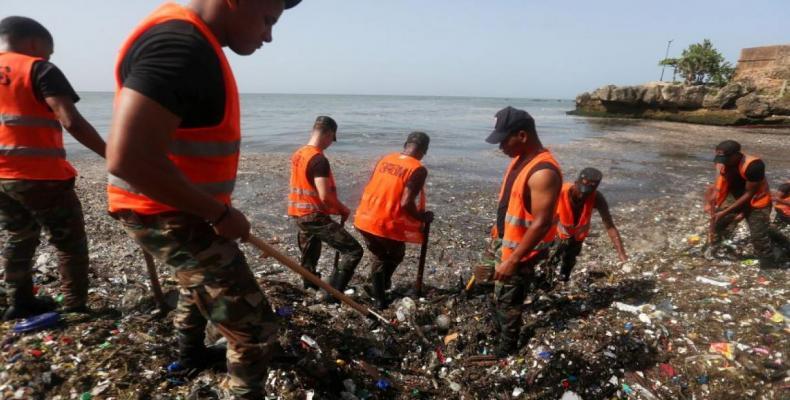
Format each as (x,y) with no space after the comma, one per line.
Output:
(767,68)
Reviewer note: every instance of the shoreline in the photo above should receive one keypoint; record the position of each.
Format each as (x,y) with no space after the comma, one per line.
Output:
(654,174)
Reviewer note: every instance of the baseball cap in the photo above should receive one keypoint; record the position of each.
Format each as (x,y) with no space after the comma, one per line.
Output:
(291,3)
(592,175)
(728,148)
(421,139)
(509,120)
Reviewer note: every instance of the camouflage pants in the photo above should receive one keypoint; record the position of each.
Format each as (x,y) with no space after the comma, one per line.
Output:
(760,231)
(508,303)
(387,255)
(25,207)
(567,251)
(217,285)
(317,228)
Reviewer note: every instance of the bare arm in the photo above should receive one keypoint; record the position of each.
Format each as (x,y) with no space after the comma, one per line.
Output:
(137,153)
(408,201)
(614,235)
(777,197)
(75,124)
(544,188)
(329,197)
(748,193)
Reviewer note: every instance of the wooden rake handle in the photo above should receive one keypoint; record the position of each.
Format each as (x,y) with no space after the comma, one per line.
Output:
(294,266)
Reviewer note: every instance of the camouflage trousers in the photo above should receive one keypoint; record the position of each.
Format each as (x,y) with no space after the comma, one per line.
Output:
(216,285)
(387,255)
(566,252)
(27,206)
(763,235)
(317,228)
(508,303)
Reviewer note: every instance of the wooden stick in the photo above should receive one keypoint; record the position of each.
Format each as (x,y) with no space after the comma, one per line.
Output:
(421,265)
(155,286)
(294,266)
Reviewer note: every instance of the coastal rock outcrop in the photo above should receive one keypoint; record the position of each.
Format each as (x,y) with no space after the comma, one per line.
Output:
(757,94)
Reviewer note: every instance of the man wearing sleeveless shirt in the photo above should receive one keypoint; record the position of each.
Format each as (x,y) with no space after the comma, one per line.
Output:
(525,218)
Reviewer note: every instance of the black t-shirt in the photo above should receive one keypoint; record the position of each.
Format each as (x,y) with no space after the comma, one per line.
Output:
(318,167)
(49,81)
(755,172)
(174,64)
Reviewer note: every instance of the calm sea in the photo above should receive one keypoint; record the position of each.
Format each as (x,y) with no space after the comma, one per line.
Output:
(372,125)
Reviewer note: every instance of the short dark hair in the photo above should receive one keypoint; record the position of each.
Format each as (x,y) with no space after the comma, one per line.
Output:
(325,124)
(729,147)
(17,28)
(419,139)
(784,188)
(591,174)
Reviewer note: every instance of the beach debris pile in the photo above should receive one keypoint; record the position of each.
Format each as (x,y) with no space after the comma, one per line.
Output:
(668,324)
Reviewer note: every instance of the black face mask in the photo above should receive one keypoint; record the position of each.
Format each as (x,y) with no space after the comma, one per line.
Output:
(585,190)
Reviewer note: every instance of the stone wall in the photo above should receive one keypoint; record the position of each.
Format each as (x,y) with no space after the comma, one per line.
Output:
(766,68)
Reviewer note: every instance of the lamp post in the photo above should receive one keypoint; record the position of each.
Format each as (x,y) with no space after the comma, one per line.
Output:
(669,43)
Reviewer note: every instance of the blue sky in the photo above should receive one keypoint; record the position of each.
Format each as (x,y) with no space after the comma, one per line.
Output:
(496,48)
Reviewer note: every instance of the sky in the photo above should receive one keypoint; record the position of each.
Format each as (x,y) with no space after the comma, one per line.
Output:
(486,48)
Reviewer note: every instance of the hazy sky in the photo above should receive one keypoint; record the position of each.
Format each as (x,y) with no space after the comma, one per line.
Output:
(509,48)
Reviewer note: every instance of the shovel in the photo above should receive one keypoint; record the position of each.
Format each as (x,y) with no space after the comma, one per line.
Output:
(294,266)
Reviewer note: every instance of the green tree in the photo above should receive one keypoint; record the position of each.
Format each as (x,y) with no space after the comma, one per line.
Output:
(701,64)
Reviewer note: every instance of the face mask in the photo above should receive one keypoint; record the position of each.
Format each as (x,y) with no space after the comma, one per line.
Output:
(586,189)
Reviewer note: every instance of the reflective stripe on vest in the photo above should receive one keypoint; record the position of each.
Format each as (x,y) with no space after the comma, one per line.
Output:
(761,198)
(21,120)
(207,156)
(31,137)
(540,246)
(22,151)
(303,198)
(380,212)
(193,148)
(518,219)
(212,188)
(509,219)
(306,192)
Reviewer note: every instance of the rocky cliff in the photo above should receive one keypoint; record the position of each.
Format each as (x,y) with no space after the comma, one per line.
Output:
(758,94)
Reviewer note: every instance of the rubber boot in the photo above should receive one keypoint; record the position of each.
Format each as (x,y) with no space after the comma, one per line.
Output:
(380,290)
(35,306)
(194,356)
(339,280)
(309,285)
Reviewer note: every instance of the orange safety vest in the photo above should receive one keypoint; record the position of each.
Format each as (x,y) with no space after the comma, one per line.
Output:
(566,228)
(207,156)
(303,198)
(380,212)
(513,162)
(31,138)
(761,199)
(783,208)
(518,219)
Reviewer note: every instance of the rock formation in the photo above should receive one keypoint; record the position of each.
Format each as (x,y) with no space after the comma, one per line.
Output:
(757,94)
